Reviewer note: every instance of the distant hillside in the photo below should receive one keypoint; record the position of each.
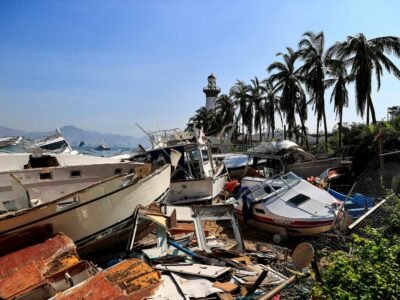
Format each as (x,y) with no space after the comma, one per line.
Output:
(74,135)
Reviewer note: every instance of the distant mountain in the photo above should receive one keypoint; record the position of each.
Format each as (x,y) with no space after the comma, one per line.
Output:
(75,135)
(5,131)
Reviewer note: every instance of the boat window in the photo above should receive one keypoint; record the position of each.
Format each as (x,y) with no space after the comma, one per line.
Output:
(259,194)
(76,173)
(131,171)
(55,145)
(118,171)
(204,154)
(195,155)
(298,199)
(46,175)
(260,211)
(268,189)
(290,179)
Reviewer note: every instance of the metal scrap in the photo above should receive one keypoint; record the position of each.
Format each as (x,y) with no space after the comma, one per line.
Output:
(22,270)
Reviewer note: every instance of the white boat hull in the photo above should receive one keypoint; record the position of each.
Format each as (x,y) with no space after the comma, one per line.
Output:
(292,228)
(93,209)
(288,204)
(196,190)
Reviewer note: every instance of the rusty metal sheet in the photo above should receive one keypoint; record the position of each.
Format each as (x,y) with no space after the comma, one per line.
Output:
(24,269)
(26,277)
(95,288)
(130,279)
(50,256)
(132,275)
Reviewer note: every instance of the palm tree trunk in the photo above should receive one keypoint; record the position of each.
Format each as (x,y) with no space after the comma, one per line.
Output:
(316,142)
(371,107)
(243,134)
(303,128)
(260,133)
(326,131)
(340,126)
(284,132)
(367,112)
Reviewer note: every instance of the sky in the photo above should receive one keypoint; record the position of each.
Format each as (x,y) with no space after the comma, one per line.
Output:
(104,65)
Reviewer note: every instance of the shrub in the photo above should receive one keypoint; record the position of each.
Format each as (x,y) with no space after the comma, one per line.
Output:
(371,269)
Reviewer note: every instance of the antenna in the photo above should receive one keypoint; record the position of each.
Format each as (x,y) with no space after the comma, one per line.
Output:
(145,132)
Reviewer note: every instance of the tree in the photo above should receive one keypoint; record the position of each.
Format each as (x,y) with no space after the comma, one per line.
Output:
(311,50)
(256,98)
(338,79)
(271,105)
(239,94)
(205,119)
(286,81)
(366,56)
(225,109)
(301,108)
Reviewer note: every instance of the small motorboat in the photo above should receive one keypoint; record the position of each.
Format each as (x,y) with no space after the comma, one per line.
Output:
(9,141)
(287,204)
(52,144)
(102,147)
(82,143)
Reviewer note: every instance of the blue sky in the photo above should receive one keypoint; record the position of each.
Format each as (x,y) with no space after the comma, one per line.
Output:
(104,65)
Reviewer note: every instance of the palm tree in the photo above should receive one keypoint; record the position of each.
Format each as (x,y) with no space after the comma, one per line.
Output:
(338,78)
(205,119)
(301,108)
(256,98)
(271,105)
(298,132)
(239,94)
(225,109)
(311,50)
(287,82)
(365,56)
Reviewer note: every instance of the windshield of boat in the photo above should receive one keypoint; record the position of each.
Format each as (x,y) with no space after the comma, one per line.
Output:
(236,160)
(273,186)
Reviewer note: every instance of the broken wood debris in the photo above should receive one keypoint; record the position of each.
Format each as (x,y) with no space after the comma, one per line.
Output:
(175,267)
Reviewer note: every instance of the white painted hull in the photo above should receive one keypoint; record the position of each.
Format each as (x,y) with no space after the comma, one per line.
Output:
(94,209)
(291,229)
(16,161)
(196,190)
(61,182)
(293,206)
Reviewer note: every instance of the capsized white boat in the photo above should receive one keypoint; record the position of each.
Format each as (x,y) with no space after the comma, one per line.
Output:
(9,141)
(54,144)
(81,201)
(287,204)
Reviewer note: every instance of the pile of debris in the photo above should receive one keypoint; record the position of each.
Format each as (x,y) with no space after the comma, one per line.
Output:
(184,253)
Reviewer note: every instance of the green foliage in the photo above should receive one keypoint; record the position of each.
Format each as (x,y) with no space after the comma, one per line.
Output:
(371,270)
(367,139)
(393,221)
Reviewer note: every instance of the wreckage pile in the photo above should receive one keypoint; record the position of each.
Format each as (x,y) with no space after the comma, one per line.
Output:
(185,255)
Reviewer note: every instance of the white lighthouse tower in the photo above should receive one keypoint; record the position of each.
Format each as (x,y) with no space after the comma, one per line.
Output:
(211,91)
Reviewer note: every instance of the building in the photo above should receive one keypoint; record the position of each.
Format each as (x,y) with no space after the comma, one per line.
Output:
(211,91)
(393,112)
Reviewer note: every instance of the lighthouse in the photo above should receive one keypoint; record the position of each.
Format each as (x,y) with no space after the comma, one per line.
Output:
(211,91)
